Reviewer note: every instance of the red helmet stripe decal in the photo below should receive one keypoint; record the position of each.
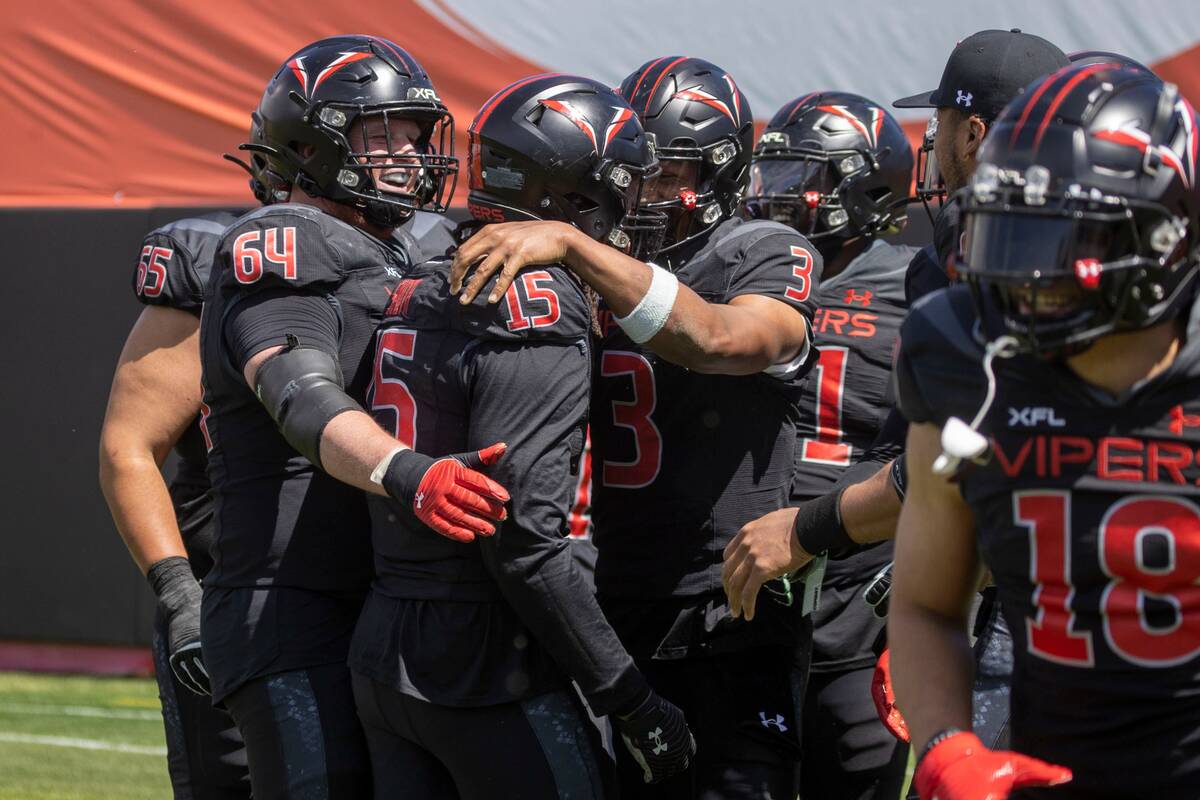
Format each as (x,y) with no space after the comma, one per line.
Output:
(410,62)
(338,63)
(698,95)
(791,114)
(619,119)
(297,67)
(490,105)
(1012,140)
(1075,80)
(642,77)
(577,118)
(844,113)
(661,75)
(737,99)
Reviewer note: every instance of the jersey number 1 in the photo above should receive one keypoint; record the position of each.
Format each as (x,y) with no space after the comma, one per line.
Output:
(828,447)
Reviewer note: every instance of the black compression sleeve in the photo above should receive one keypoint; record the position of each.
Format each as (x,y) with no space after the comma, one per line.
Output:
(266,318)
(535,398)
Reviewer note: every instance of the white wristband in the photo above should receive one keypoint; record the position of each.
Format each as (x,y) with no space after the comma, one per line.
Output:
(651,313)
(382,467)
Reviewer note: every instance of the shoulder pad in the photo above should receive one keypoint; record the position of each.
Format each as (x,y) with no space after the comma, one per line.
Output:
(542,303)
(924,276)
(297,245)
(939,368)
(427,235)
(770,259)
(175,261)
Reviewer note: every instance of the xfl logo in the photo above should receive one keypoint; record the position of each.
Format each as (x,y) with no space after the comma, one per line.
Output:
(422,93)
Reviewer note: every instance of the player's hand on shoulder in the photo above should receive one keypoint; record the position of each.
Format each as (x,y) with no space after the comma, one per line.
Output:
(449,494)
(506,248)
(959,767)
(763,550)
(657,736)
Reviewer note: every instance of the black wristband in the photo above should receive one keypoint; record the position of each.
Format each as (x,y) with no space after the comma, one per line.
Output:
(899,475)
(404,474)
(819,525)
(173,582)
(937,739)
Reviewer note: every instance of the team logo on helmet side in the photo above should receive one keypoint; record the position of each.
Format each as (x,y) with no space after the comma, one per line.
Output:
(619,118)
(870,131)
(296,65)
(344,58)
(696,94)
(576,116)
(1130,135)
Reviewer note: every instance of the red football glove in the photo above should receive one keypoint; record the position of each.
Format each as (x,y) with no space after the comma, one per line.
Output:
(449,494)
(885,698)
(961,768)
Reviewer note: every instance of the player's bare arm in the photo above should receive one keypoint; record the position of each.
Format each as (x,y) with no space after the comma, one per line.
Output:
(743,337)
(155,395)
(936,572)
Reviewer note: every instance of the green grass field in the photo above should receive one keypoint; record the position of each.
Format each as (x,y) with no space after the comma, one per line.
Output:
(80,738)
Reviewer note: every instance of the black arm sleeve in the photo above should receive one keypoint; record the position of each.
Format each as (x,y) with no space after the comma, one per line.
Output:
(266,318)
(535,398)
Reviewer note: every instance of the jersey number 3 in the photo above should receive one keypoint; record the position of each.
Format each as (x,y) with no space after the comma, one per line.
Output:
(1137,581)
(634,415)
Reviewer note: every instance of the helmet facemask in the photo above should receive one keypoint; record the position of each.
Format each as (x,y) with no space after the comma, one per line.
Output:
(1058,271)
(685,191)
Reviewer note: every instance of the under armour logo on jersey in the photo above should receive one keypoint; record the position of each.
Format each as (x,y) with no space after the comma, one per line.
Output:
(1032,416)
(1180,420)
(862,298)
(418,499)
(777,723)
(660,746)
(964,98)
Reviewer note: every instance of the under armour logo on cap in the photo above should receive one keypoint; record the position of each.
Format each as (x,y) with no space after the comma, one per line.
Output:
(963,98)
(659,745)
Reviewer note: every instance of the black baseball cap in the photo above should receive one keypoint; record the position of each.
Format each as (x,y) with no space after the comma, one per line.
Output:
(987,70)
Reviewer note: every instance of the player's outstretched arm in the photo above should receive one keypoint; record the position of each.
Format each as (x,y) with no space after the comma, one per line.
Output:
(935,575)
(745,336)
(155,395)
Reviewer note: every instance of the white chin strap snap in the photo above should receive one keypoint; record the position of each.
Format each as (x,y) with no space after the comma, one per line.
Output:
(963,442)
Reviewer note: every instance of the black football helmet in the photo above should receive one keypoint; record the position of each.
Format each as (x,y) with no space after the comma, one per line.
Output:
(833,166)
(1081,218)
(561,147)
(1086,57)
(702,129)
(310,129)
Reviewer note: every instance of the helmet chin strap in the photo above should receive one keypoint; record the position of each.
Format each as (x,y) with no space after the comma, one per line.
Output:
(961,441)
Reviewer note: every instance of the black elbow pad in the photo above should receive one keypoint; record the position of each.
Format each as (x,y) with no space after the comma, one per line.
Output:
(301,388)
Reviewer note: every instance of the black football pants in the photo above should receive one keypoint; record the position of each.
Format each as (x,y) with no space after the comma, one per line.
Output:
(206,758)
(542,748)
(303,738)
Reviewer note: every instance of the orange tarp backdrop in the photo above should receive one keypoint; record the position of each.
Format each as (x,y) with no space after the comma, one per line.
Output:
(123,103)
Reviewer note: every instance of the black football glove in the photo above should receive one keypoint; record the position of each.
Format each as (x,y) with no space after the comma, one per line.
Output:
(179,600)
(878,591)
(658,738)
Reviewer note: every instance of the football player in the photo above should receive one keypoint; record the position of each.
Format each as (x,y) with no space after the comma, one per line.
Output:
(1052,404)
(837,168)
(698,368)
(355,126)
(464,654)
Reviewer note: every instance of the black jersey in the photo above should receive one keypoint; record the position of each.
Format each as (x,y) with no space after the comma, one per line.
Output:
(1087,513)
(929,270)
(844,402)
(487,622)
(280,521)
(172,271)
(682,459)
